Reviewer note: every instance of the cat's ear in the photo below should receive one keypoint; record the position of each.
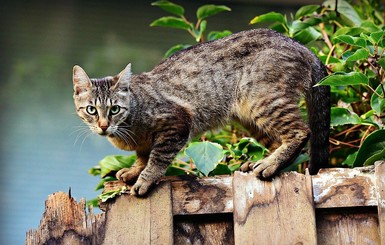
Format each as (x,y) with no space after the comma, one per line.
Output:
(124,78)
(81,80)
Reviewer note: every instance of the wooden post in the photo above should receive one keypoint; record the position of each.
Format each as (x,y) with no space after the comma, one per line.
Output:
(133,220)
(380,184)
(274,212)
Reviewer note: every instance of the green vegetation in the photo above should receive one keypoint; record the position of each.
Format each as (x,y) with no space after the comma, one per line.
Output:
(348,38)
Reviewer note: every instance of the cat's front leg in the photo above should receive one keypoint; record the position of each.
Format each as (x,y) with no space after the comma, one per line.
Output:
(160,157)
(130,175)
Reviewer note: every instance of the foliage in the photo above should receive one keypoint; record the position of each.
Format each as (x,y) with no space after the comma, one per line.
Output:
(349,40)
(353,50)
(179,21)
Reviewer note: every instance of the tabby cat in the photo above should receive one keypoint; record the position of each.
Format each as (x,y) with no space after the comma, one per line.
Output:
(255,77)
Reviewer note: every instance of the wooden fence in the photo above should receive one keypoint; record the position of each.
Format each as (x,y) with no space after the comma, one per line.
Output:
(337,206)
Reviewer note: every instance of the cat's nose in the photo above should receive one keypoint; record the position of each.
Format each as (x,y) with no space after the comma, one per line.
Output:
(104,127)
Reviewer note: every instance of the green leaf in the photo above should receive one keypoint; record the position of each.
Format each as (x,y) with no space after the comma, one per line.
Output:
(205,155)
(347,13)
(202,28)
(306,10)
(175,49)
(209,10)
(93,202)
(382,62)
(294,166)
(307,35)
(372,149)
(342,116)
(115,163)
(173,171)
(221,169)
(359,54)
(376,37)
(344,79)
(354,41)
(169,7)
(350,159)
(218,34)
(269,17)
(95,170)
(100,185)
(378,103)
(111,194)
(172,22)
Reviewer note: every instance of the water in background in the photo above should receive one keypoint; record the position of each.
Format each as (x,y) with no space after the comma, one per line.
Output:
(40,42)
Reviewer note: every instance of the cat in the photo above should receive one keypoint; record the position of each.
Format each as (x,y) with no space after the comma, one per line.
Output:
(255,77)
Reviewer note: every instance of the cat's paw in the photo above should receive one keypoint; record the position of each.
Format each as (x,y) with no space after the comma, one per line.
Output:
(247,166)
(264,169)
(141,187)
(128,175)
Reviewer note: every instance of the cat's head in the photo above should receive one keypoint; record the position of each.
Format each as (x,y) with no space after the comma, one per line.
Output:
(102,103)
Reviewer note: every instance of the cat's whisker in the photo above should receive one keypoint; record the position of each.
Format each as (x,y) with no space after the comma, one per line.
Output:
(128,132)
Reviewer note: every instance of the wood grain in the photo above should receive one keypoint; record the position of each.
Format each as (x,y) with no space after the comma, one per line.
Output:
(273,212)
(341,187)
(132,220)
(65,221)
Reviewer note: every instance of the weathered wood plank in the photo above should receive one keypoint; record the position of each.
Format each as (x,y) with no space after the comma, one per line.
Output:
(380,184)
(132,220)
(202,196)
(270,212)
(341,187)
(347,226)
(66,222)
(216,229)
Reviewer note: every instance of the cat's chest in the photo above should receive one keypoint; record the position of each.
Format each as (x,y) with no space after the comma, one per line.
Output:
(120,143)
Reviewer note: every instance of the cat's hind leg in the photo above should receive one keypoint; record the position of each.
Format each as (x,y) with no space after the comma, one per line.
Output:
(286,124)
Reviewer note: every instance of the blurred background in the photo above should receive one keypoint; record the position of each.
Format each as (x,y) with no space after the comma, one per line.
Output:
(41,151)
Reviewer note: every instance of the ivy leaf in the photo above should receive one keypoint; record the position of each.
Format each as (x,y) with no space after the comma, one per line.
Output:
(343,79)
(114,163)
(169,7)
(306,10)
(269,17)
(171,21)
(359,54)
(205,155)
(342,116)
(378,103)
(209,10)
(372,149)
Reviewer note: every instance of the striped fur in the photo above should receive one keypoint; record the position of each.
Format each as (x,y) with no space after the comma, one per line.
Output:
(255,77)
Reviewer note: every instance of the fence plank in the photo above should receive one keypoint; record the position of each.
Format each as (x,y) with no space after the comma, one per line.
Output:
(380,184)
(203,196)
(269,212)
(132,220)
(347,226)
(341,187)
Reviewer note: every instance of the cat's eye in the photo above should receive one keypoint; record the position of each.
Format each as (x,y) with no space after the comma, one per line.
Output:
(115,110)
(91,110)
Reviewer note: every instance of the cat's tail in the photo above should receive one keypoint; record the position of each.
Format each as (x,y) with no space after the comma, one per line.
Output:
(318,109)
